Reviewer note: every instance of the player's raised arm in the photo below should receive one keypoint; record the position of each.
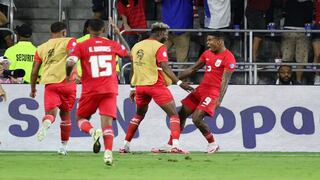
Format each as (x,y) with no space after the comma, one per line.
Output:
(191,70)
(117,32)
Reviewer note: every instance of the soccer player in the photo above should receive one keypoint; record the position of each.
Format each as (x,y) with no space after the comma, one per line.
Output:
(59,94)
(150,76)
(219,65)
(99,82)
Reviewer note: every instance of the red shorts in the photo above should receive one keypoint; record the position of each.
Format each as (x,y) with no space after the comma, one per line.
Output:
(159,93)
(201,99)
(61,95)
(106,103)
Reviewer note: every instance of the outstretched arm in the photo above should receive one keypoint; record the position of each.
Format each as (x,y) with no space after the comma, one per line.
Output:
(167,70)
(191,70)
(224,85)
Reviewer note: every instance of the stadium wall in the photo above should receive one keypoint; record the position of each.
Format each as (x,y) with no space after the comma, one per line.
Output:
(252,118)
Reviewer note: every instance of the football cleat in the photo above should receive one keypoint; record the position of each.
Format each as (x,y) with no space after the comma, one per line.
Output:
(176,150)
(108,157)
(96,136)
(62,151)
(163,149)
(43,130)
(212,148)
(124,149)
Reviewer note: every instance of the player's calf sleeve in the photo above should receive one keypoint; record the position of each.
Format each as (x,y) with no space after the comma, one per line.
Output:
(108,136)
(84,125)
(133,126)
(65,128)
(209,137)
(175,127)
(49,117)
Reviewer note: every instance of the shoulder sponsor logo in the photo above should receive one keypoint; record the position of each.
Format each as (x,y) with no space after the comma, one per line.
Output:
(218,63)
(232,66)
(164,54)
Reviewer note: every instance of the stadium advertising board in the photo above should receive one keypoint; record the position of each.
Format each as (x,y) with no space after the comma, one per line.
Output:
(251,118)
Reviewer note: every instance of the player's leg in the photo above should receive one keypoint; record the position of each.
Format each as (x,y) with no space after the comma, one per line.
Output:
(68,98)
(88,106)
(51,103)
(108,135)
(184,113)
(197,118)
(142,102)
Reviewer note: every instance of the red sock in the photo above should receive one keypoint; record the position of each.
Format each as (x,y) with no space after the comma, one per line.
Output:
(84,125)
(65,128)
(209,137)
(49,117)
(170,140)
(133,126)
(108,137)
(175,127)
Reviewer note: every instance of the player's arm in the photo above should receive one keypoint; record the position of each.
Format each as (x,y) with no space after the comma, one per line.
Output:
(224,85)
(132,87)
(117,32)
(3,93)
(34,74)
(167,70)
(191,70)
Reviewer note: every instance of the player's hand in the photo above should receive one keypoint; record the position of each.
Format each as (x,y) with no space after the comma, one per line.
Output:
(114,26)
(132,95)
(186,87)
(33,93)
(218,103)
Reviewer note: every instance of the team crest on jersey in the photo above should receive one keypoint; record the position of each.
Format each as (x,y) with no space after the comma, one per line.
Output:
(218,63)
(139,54)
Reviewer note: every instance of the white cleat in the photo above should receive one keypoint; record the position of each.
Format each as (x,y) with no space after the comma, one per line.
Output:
(108,157)
(124,149)
(163,149)
(43,130)
(212,148)
(62,151)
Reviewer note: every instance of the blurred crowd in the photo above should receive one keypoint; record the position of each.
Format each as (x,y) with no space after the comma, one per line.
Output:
(186,46)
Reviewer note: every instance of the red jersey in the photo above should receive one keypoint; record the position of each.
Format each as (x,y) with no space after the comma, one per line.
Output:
(135,14)
(215,65)
(98,63)
(317,7)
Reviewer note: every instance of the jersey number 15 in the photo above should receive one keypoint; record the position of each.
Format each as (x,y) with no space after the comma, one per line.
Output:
(101,65)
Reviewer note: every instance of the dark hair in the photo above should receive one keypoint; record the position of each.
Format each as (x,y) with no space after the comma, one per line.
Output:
(58,27)
(85,27)
(96,24)
(126,2)
(216,34)
(281,66)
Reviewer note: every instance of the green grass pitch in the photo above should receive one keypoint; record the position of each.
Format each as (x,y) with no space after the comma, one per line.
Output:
(222,165)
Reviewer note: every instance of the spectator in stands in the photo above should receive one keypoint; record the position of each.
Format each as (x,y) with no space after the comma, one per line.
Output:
(99,9)
(316,40)
(285,76)
(256,18)
(5,36)
(295,46)
(133,16)
(4,65)
(21,54)
(178,14)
